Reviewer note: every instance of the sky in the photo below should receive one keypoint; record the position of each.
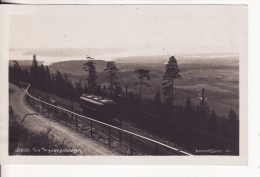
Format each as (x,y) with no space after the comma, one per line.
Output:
(116,31)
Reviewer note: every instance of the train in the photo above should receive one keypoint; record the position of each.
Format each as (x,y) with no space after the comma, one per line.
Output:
(97,107)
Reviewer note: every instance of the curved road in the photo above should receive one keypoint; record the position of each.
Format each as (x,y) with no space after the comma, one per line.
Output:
(41,124)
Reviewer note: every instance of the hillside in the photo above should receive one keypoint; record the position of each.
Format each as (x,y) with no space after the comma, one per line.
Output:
(143,59)
(25,63)
(75,67)
(219,76)
(180,57)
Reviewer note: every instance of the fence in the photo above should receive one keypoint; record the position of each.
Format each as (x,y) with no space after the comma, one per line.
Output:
(122,140)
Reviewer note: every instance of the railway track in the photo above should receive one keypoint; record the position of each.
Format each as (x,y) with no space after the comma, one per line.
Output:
(136,141)
(76,108)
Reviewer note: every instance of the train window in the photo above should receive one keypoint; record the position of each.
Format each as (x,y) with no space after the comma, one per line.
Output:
(99,108)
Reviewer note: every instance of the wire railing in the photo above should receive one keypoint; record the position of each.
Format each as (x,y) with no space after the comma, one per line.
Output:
(122,140)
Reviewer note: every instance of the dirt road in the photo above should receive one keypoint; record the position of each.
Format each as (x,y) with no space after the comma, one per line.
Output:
(42,124)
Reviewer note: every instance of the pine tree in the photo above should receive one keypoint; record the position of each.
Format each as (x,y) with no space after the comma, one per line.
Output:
(71,89)
(48,78)
(204,108)
(232,116)
(188,106)
(112,70)
(214,115)
(66,88)
(47,73)
(142,75)
(79,88)
(26,75)
(104,90)
(16,71)
(85,89)
(89,67)
(118,91)
(34,67)
(35,71)
(41,79)
(157,99)
(131,97)
(98,90)
(59,84)
(171,72)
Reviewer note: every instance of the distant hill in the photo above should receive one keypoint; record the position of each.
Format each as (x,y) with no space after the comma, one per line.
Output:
(143,59)
(183,58)
(69,52)
(157,63)
(192,70)
(24,62)
(75,67)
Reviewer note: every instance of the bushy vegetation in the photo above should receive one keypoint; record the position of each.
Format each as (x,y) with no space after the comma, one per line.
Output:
(24,142)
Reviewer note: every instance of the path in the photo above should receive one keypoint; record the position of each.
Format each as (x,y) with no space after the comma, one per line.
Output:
(41,124)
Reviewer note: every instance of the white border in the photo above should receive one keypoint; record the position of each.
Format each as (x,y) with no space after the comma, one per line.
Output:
(253,113)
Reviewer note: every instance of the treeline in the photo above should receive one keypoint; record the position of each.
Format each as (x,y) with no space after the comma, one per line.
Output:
(190,127)
(60,84)
(39,77)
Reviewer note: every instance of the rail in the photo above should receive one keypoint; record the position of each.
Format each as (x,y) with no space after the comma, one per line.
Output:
(138,138)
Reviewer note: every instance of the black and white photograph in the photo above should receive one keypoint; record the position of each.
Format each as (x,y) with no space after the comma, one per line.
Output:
(127,80)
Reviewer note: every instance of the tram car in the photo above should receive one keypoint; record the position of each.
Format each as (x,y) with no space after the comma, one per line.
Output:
(98,108)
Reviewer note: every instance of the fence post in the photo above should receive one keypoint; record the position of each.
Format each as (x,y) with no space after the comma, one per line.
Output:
(71,108)
(120,132)
(120,135)
(109,136)
(59,114)
(65,117)
(131,144)
(76,122)
(43,108)
(38,106)
(56,112)
(91,128)
(48,110)
(34,103)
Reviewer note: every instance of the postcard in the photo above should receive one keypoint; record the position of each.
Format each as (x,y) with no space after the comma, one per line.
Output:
(125,84)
